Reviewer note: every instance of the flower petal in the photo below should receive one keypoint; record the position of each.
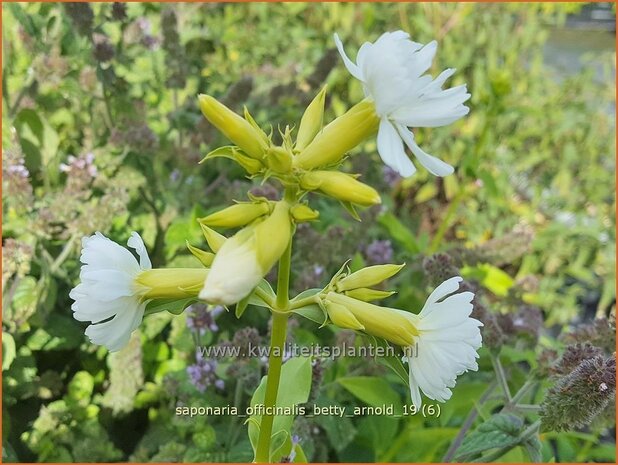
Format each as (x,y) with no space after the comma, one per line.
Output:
(390,148)
(136,242)
(115,333)
(352,68)
(434,165)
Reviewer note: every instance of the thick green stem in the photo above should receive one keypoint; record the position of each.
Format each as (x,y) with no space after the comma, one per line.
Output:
(275,360)
(283,279)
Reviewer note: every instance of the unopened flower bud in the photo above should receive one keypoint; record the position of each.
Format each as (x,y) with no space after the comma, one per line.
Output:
(339,137)
(342,317)
(311,122)
(367,295)
(233,126)
(303,213)
(279,159)
(369,276)
(237,215)
(340,186)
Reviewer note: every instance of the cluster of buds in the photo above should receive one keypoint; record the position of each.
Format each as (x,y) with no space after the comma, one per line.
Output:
(309,163)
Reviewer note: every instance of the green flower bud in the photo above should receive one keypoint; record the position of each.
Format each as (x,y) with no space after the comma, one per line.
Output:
(340,186)
(279,159)
(368,277)
(237,215)
(342,317)
(213,238)
(302,213)
(237,129)
(311,122)
(367,295)
(339,137)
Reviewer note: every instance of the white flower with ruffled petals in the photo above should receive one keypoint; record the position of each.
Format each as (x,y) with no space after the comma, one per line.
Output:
(108,295)
(392,70)
(446,345)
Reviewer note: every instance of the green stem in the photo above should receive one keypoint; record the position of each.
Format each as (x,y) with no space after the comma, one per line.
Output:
(275,360)
(495,361)
(283,279)
(522,391)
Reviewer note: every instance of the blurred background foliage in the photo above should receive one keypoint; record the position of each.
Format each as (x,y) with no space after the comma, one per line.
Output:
(101,131)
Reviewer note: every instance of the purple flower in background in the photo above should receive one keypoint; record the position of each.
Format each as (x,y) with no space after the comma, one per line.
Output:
(379,252)
(200,319)
(390,176)
(290,458)
(202,373)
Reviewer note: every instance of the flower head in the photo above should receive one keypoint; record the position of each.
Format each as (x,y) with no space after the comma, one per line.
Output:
(446,344)
(108,294)
(439,343)
(392,70)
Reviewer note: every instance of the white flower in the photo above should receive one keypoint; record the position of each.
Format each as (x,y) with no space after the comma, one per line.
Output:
(392,72)
(235,271)
(108,295)
(446,344)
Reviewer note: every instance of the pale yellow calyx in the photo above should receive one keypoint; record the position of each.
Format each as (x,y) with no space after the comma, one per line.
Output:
(237,129)
(311,122)
(303,213)
(170,283)
(366,294)
(342,317)
(340,186)
(391,324)
(369,276)
(237,215)
(331,144)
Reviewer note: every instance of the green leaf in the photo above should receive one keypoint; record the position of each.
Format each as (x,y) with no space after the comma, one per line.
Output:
(501,430)
(374,391)
(312,312)
(174,306)
(59,333)
(339,431)
(295,385)
(242,306)
(8,350)
(267,289)
(351,210)
(491,277)
(399,232)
